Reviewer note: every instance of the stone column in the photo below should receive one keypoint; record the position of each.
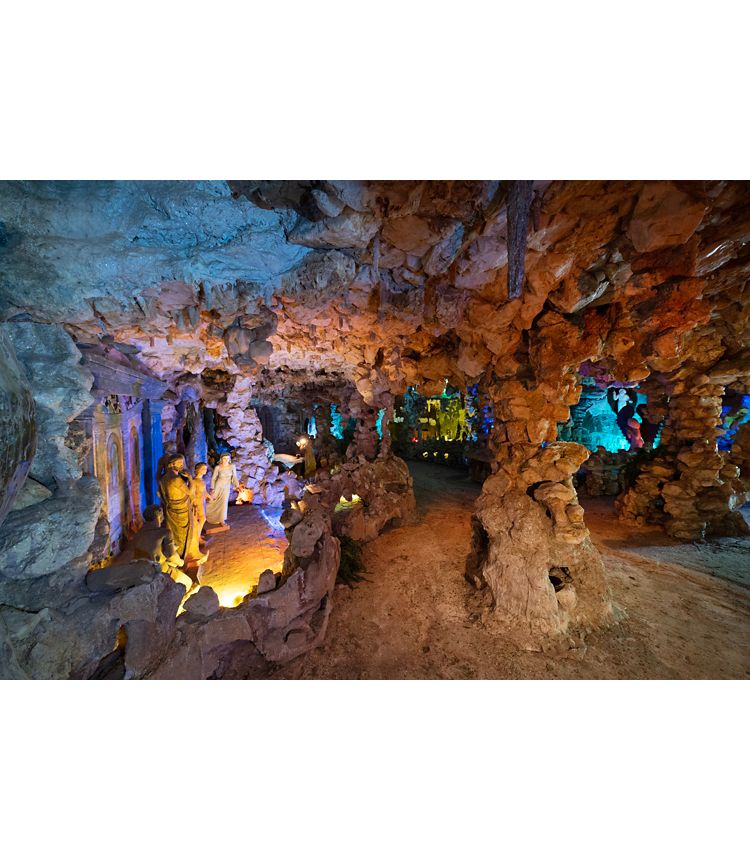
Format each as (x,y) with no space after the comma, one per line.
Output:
(702,500)
(530,544)
(365,441)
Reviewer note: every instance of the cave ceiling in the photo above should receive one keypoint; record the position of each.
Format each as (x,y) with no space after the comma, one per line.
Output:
(384,284)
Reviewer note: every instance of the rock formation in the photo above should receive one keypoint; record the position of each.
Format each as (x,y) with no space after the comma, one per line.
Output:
(222,303)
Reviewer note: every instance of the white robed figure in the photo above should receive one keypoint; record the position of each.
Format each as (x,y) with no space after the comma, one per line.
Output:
(224,477)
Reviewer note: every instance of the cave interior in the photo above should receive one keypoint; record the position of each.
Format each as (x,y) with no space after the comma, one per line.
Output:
(551,343)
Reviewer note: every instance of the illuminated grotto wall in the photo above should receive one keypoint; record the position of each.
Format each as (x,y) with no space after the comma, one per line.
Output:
(17,425)
(236,294)
(593,422)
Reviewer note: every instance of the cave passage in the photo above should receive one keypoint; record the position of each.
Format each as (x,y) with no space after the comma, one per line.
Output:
(414,616)
(476,428)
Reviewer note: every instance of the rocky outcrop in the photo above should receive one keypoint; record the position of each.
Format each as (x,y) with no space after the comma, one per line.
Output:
(74,638)
(43,538)
(366,497)
(272,625)
(17,425)
(60,385)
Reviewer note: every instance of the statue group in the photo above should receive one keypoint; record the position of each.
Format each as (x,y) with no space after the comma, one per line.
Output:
(173,532)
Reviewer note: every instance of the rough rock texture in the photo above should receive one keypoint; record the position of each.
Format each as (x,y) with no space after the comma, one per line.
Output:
(60,386)
(31,493)
(118,577)
(233,291)
(42,538)
(532,548)
(272,625)
(385,497)
(17,427)
(72,639)
(204,603)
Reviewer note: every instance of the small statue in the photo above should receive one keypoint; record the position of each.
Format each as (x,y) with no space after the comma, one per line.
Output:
(154,542)
(305,445)
(224,477)
(175,494)
(199,494)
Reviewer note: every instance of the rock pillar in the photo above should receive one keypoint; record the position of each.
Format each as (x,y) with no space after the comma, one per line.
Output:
(530,543)
(702,500)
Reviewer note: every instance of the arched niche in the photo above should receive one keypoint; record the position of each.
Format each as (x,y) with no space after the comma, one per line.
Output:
(116,492)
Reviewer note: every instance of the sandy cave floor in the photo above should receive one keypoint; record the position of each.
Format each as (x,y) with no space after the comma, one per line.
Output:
(688,615)
(236,558)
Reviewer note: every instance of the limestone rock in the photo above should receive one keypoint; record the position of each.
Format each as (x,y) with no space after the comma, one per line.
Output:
(17,425)
(664,216)
(31,493)
(118,577)
(43,538)
(204,602)
(306,534)
(61,386)
(266,582)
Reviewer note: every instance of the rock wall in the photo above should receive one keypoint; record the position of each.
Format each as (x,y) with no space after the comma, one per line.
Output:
(17,425)
(605,473)
(269,484)
(61,386)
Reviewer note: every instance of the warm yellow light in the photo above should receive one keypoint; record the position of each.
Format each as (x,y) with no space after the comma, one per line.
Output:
(229,596)
(445,455)
(348,503)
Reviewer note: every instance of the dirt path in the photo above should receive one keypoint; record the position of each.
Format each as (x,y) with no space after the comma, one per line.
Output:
(418,618)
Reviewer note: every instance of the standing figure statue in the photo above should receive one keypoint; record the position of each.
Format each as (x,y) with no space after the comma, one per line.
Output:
(308,454)
(224,477)
(174,492)
(200,494)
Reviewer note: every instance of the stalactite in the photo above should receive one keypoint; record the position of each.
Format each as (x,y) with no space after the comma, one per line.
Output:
(519,206)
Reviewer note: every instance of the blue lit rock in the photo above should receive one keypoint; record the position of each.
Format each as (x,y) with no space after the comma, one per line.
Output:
(60,385)
(75,248)
(17,425)
(46,537)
